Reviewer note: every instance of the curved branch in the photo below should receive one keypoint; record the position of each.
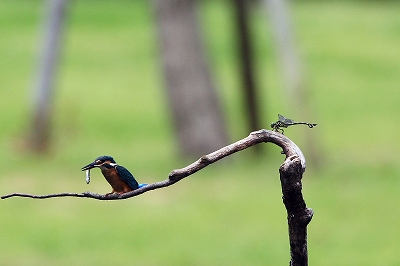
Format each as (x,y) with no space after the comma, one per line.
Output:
(256,137)
(291,172)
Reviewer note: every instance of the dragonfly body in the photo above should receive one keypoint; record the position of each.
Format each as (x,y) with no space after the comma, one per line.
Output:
(284,122)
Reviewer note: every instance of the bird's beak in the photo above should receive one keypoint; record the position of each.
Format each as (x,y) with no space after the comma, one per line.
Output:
(89,166)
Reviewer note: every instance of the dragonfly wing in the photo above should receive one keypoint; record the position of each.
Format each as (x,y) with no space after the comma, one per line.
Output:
(281,117)
(285,120)
(289,121)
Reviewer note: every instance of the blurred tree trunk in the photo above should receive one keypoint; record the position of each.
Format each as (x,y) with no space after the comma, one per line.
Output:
(195,106)
(291,65)
(246,68)
(41,123)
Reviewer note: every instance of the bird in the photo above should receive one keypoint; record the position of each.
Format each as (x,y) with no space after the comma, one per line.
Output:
(120,179)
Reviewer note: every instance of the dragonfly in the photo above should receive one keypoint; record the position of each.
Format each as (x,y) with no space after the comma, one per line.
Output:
(285,122)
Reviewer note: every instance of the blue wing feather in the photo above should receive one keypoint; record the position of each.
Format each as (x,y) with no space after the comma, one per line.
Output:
(127,177)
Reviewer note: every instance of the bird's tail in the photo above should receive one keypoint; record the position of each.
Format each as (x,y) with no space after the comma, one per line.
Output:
(142,185)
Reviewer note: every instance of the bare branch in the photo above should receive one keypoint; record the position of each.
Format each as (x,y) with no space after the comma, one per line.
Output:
(291,172)
(88,194)
(289,148)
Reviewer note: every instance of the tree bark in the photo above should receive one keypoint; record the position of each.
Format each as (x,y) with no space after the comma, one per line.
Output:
(193,99)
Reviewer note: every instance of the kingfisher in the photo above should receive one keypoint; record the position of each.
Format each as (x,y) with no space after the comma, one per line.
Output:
(120,179)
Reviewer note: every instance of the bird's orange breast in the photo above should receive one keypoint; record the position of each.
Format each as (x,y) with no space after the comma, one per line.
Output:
(116,183)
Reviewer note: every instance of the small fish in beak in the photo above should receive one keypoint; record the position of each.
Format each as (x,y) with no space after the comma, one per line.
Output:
(87,176)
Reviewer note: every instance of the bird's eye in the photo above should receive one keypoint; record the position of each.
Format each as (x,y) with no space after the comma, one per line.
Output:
(98,161)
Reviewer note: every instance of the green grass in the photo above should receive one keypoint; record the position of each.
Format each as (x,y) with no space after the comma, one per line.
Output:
(110,100)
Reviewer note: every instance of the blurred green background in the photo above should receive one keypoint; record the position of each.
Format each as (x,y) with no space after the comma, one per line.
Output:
(110,100)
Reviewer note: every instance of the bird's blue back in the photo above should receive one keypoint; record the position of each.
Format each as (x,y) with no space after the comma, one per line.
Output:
(127,177)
